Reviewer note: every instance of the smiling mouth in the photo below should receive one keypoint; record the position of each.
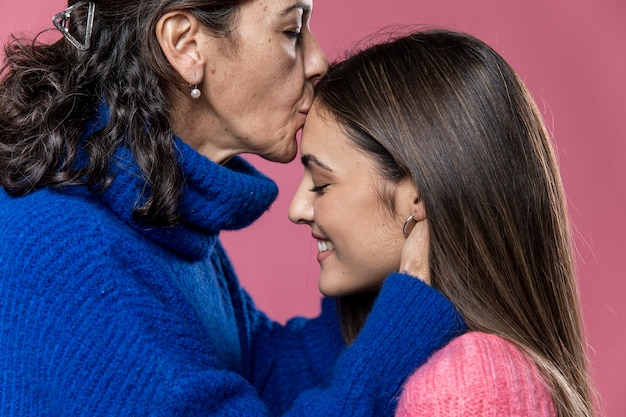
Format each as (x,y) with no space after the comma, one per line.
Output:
(325,245)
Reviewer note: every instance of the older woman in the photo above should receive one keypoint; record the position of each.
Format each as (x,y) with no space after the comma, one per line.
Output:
(119,168)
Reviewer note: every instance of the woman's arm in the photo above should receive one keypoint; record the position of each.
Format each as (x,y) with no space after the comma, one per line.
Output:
(408,323)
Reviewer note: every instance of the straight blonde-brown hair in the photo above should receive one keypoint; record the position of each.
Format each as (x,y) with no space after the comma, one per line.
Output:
(447,110)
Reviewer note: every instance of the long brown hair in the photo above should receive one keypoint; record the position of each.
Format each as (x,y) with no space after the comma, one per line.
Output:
(49,91)
(454,116)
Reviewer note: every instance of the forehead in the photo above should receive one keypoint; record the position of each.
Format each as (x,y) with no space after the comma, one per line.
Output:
(320,129)
(324,138)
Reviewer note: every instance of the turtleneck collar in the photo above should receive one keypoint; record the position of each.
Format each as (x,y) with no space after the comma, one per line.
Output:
(215,197)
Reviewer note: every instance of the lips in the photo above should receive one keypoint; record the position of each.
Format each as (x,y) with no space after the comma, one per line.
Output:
(325,250)
(324,246)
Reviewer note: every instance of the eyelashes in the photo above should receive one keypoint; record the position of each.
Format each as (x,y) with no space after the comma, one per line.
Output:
(294,34)
(319,188)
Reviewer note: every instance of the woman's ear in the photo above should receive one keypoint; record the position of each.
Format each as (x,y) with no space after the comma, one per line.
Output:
(409,201)
(419,209)
(179,34)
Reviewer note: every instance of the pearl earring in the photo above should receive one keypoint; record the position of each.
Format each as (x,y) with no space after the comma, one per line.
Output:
(195,91)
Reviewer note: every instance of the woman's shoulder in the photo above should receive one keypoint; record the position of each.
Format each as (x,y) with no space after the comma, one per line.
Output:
(477,374)
(68,226)
(65,212)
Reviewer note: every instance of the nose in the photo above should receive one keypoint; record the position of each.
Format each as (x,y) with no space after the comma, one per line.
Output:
(301,207)
(315,61)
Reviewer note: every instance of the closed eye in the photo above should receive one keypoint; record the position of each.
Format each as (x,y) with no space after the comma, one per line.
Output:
(294,34)
(319,188)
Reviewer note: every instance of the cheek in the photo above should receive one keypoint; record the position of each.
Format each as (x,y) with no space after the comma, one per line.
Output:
(365,254)
(289,77)
(357,242)
(380,243)
(333,219)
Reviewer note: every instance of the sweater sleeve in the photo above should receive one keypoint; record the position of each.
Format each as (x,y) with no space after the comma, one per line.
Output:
(409,321)
(477,374)
(289,359)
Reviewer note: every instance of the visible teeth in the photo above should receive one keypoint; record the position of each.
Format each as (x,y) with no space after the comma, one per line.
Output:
(324,245)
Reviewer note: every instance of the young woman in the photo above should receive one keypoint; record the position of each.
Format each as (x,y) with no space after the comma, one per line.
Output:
(433,136)
(119,168)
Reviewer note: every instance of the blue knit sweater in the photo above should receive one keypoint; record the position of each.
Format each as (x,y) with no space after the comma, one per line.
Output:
(100,316)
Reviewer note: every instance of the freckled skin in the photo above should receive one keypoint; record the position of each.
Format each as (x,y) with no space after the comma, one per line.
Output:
(257,92)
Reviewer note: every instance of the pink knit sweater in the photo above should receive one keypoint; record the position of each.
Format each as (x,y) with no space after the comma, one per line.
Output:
(477,374)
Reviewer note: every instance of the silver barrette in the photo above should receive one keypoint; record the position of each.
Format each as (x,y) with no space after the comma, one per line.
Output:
(61,21)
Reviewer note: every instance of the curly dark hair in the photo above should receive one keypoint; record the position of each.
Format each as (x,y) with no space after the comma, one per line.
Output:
(48,92)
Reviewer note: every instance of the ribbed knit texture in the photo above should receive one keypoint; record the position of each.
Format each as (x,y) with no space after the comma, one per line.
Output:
(100,316)
(477,374)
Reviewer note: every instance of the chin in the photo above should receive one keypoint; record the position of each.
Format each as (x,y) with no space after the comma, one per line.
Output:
(283,159)
(332,291)
(284,155)
(331,294)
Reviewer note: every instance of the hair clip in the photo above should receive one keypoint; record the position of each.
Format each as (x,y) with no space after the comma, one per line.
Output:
(61,21)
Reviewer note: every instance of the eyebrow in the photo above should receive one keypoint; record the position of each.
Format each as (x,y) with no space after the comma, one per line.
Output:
(310,159)
(297,5)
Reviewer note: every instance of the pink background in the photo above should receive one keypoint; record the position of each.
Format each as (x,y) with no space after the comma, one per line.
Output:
(571,53)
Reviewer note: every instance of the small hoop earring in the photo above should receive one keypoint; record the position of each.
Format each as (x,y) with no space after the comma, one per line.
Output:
(195,91)
(405,232)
